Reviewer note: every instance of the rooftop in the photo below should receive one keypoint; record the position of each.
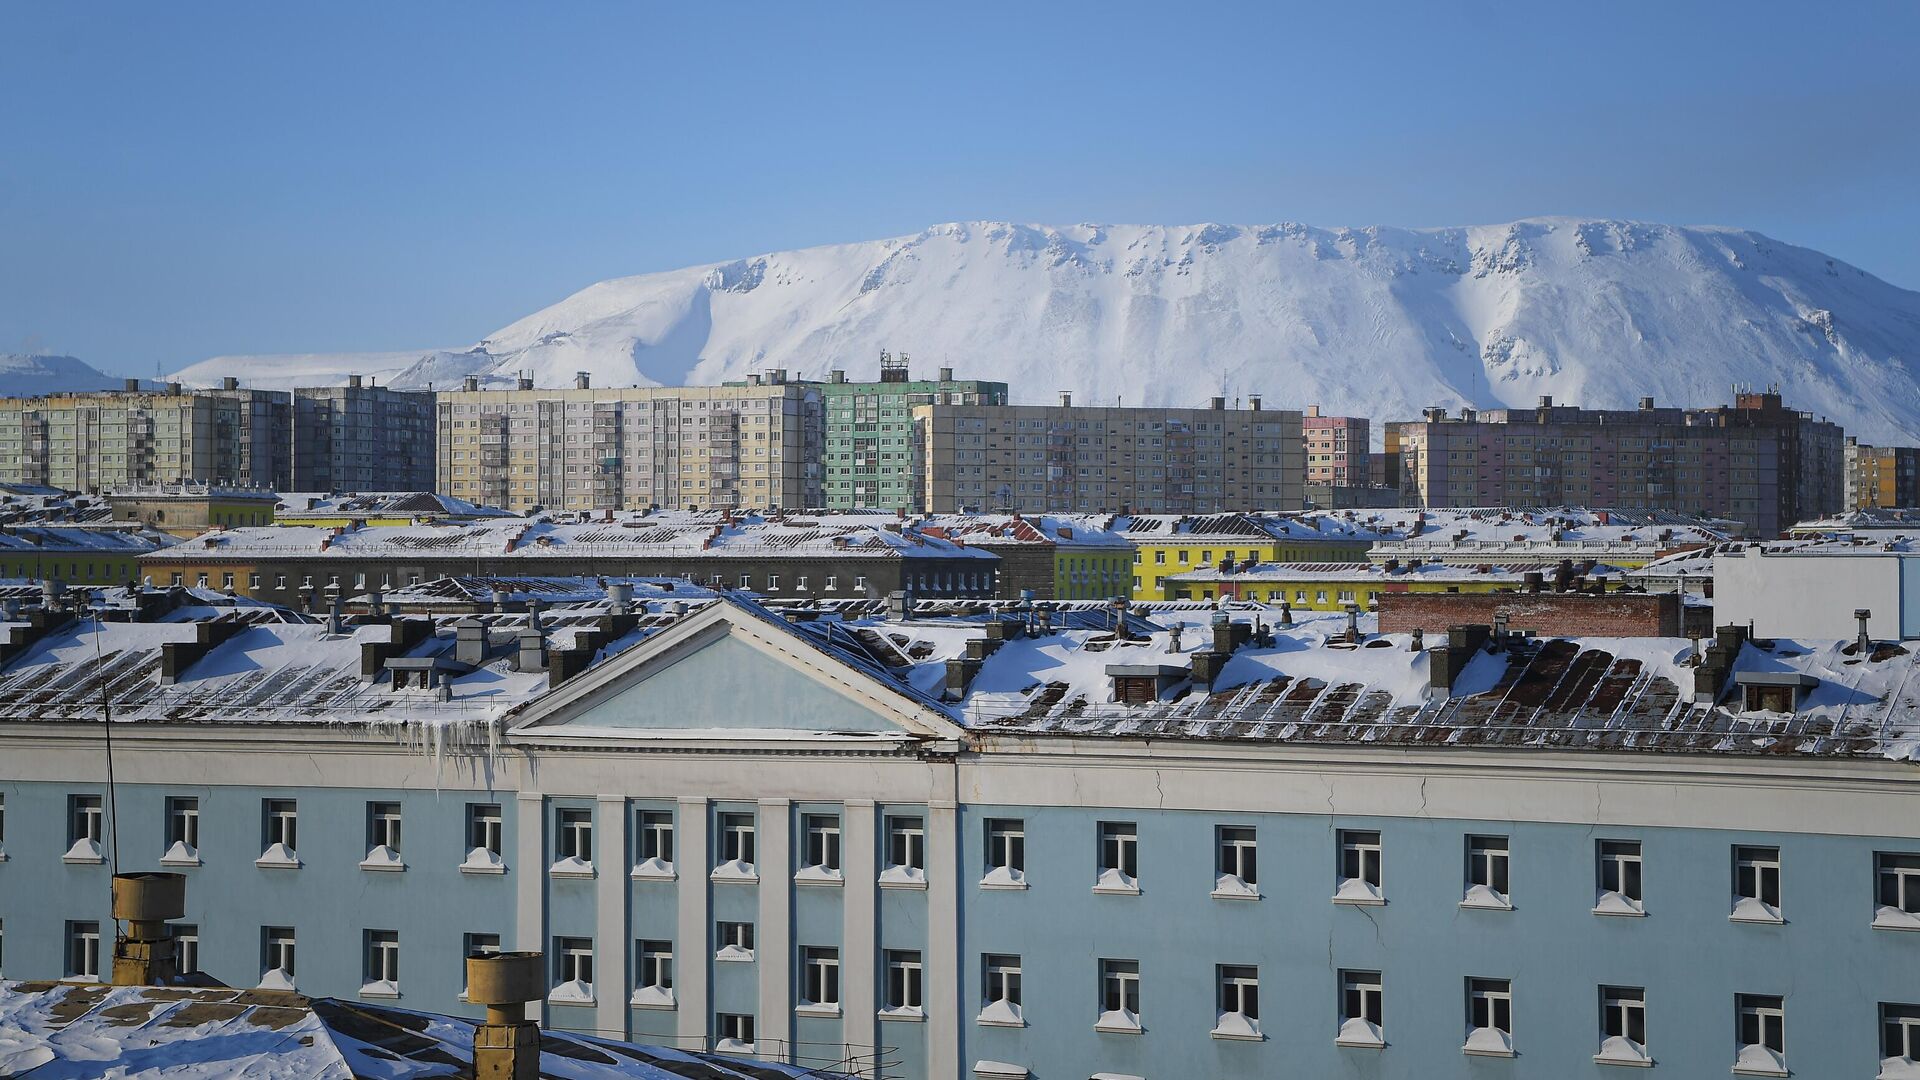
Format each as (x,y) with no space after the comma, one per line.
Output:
(296,504)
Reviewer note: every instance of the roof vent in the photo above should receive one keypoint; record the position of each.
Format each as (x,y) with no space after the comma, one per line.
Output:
(145,901)
(507,1046)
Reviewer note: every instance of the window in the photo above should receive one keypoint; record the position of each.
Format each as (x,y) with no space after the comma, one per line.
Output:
(84,820)
(904,979)
(1489,1017)
(1237,1006)
(822,849)
(736,847)
(1119,858)
(381,977)
(1762,1035)
(735,941)
(1619,879)
(573,839)
(1623,1025)
(281,833)
(819,979)
(83,950)
(906,852)
(656,844)
(1006,854)
(1487,873)
(572,971)
(186,948)
(484,824)
(1359,868)
(1119,996)
(276,958)
(1898,876)
(1361,997)
(1237,873)
(183,832)
(1756,884)
(734,1032)
(1000,987)
(383,837)
(653,979)
(1899,1040)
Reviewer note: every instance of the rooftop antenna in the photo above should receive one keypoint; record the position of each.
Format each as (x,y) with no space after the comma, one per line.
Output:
(106,712)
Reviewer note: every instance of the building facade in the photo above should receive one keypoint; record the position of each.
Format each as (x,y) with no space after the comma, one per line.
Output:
(729,832)
(96,441)
(186,509)
(756,445)
(1045,556)
(1337,449)
(1756,462)
(1882,476)
(868,456)
(1090,459)
(362,438)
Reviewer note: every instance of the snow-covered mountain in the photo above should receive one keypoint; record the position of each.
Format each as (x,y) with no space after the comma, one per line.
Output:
(1376,321)
(31,374)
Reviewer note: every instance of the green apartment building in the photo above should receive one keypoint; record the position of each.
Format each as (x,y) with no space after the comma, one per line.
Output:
(869,438)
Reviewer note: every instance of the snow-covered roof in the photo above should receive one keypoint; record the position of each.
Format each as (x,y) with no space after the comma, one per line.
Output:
(997,530)
(296,504)
(1871,519)
(59,539)
(1257,573)
(63,1029)
(629,536)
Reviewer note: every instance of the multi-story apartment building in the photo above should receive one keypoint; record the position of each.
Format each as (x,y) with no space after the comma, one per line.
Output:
(868,455)
(362,438)
(968,852)
(107,439)
(755,445)
(1756,462)
(1882,476)
(1051,556)
(1093,459)
(1337,449)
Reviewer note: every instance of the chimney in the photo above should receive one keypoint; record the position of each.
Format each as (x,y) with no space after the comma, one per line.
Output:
(532,655)
(499,601)
(526,382)
(507,1045)
(1066,399)
(1546,401)
(336,624)
(1864,645)
(946,374)
(1646,404)
(376,603)
(133,386)
(619,598)
(582,380)
(1450,659)
(1222,632)
(1217,403)
(470,642)
(837,375)
(470,383)
(898,605)
(173,388)
(1253,402)
(1353,623)
(230,383)
(145,901)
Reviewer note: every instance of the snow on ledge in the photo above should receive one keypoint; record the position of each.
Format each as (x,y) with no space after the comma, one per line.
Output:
(573,866)
(482,861)
(654,870)
(279,856)
(1489,1042)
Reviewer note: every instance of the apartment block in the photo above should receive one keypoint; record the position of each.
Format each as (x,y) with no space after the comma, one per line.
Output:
(100,440)
(1882,476)
(1336,448)
(1092,459)
(362,438)
(1756,462)
(869,431)
(753,445)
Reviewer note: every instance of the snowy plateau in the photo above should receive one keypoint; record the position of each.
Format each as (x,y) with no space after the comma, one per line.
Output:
(1377,322)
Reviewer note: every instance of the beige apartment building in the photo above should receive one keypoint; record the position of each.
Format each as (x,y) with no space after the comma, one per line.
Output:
(101,440)
(1090,459)
(754,445)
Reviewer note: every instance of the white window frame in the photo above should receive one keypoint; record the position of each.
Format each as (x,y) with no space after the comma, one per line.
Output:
(380,964)
(280,834)
(1621,865)
(819,981)
(1006,846)
(83,951)
(1899,1039)
(734,1033)
(1236,862)
(1768,1015)
(1119,858)
(572,971)
(486,837)
(653,974)
(655,829)
(905,990)
(906,852)
(279,947)
(820,848)
(1119,997)
(1489,870)
(1000,978)
(572,842)
(183,831)
(186,947)
(1361,866)
(1362,1001)
(1623,1014)
(1756,884)
(86,824)
(1236,1012)
(1487,1001)
(733,940)
(1896,882)
(735,847)
(383,836)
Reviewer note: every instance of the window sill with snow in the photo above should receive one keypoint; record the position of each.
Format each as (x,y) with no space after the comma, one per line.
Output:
(380,988)
(83,851)
(818,875)
(1238,1026)
(1002,877)
(1362,1034)
(1618,1050)
(654,870)
(1234,887)
(383,858)
(653,997)
(1001,1014)
(1747,909)
(278,857)
(1118,1022)
(1486,898)
(1358,891)
(1117,883)
(903,877)
(908,1013)
(735,872)
(1612,903)
(571,992)
(809,1008)
(482,861)
(573,866)
(1488,1042)
(180,854)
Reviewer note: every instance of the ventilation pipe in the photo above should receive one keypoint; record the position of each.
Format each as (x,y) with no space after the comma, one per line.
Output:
(470,384)
(145,901)
(1865,644)
(507,1045)
(619,598)
(582,380)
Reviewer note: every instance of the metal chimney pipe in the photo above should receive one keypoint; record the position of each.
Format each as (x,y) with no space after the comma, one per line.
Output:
(1865,643)
(507,1045)
(145,901)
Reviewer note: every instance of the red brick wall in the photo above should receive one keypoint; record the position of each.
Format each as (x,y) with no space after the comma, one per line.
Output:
(1545,613)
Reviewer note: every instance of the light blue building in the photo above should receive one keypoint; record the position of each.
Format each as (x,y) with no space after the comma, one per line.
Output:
(955,846)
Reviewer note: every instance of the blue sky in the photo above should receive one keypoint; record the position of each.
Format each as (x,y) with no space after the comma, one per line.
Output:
(179,181)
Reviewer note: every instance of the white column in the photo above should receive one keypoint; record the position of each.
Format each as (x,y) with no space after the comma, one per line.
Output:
(612,942)
(861,926)
(530,878)
(691,953)
(774,944)
(943,976)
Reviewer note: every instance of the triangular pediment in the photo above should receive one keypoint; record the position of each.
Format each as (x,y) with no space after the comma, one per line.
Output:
(725,673)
